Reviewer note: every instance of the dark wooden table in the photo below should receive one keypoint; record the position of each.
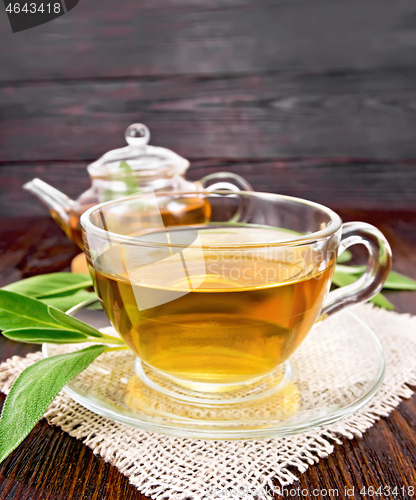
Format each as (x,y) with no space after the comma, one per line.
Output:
(51,465)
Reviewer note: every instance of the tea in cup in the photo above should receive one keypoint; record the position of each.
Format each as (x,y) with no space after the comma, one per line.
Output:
(220,304)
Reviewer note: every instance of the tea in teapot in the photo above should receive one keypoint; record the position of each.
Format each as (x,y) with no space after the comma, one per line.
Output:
(129,170)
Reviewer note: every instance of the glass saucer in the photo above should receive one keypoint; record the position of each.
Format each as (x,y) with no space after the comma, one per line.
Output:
(337,369)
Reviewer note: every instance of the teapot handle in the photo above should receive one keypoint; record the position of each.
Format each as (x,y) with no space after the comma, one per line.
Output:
(225,181)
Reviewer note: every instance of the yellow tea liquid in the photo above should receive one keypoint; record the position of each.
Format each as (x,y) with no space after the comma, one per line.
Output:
(186,211)
(248,314)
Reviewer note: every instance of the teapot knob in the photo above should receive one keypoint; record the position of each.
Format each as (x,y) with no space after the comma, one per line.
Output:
(137,135)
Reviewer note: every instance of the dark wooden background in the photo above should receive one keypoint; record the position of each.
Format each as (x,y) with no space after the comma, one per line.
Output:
(311,98)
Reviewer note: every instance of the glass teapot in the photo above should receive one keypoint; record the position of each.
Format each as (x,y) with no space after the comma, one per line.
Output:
(126,171)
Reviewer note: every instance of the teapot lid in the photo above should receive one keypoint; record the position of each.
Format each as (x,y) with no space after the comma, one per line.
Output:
(138,157)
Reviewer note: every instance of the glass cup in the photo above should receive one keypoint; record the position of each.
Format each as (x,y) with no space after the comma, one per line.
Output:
(213,291)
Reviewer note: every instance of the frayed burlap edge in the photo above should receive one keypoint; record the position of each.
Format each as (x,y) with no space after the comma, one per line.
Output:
(180,468)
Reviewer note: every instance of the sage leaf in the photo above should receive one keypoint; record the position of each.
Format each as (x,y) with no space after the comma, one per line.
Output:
(344,257)
(29,320)
(61,290)
(396,281)
(34,390)
(52,284)
(129,179)
(20,311)
(96,306)
(41,335)
(381,301)
(350,269)
(73,323)
(343,279)
(64,302)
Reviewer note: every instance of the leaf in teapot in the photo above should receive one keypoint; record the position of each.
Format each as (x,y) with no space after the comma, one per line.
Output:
(129,180)
(127,176)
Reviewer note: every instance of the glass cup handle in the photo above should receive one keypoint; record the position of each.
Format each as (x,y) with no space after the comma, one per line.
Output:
(225,181)
(378,267)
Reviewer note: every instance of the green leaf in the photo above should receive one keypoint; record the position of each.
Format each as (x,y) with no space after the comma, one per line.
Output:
(350,269)
(381,301)
(344,257)
(65,302)
(18,311)
(29,320)
(60,290)
(129,180)
(74,323)
(125,167)
(34,390)
(52,284)
(397,281)
(343,279)
(96,306)
(41,335)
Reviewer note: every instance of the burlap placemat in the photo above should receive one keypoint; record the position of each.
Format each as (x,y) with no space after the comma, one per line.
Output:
(180,468)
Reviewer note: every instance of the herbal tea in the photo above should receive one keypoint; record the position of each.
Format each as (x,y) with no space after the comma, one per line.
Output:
(190,210)
(247,314)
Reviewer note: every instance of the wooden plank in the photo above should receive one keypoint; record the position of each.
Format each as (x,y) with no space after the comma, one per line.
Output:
(362,115)
(336,183)
(99,40)
(50,464)
(32,245)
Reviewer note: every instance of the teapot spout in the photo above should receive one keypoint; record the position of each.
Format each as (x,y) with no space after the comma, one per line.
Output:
(58,203)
